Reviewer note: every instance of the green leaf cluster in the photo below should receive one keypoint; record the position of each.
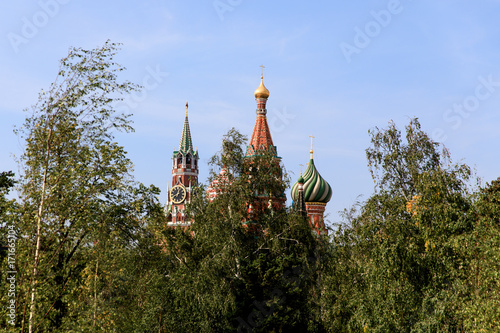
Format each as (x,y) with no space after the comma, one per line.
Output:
(409,258)
(236,270)
(94,252)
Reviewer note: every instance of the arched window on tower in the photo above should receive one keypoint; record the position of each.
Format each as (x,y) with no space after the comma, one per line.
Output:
(195,163)
(188,161)
(179,160)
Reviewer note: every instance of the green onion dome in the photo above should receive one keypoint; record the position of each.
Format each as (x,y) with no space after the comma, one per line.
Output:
(299,182)
(316,189)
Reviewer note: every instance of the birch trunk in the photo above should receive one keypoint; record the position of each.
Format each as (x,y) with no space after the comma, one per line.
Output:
(38,236)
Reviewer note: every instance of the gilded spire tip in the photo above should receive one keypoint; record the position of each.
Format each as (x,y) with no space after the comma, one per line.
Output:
(311,151)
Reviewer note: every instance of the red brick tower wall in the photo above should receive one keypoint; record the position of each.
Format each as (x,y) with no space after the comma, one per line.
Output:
(315,213)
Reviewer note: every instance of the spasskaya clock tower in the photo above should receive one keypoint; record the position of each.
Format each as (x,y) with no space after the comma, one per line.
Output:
(184,178)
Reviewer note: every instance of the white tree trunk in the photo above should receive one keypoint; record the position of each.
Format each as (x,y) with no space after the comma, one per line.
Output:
(38,237)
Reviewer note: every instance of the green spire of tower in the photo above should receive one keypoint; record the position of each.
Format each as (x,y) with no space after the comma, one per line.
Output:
(186,144)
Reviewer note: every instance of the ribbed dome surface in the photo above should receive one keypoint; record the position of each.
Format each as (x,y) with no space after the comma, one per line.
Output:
(316,189)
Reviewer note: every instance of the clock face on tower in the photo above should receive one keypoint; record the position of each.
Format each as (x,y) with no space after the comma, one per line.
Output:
(178,194)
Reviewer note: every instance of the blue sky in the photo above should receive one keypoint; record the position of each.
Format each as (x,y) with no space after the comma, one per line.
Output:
(335,69)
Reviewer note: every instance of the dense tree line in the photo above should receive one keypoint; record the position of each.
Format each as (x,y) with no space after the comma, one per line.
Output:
(93,253)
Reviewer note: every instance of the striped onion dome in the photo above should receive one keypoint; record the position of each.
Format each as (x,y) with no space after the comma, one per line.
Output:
(316,189)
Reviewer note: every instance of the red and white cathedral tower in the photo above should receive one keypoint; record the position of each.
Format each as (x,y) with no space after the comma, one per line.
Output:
(261,141)
(184,178)
(261,137)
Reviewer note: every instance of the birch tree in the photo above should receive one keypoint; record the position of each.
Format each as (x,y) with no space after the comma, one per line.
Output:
(400,261)
(71,166)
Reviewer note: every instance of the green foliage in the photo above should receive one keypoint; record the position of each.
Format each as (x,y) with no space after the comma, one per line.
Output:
(230,155)
(482,307)
(231,272)
(403,264)
(6,183)
(6,180)
(94,253)
(73,187)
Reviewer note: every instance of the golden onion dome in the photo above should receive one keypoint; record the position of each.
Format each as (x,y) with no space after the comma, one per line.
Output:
(261,91)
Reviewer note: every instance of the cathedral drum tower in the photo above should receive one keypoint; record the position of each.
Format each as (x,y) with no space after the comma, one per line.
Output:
(184,178)
(261,141)
(313,191)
